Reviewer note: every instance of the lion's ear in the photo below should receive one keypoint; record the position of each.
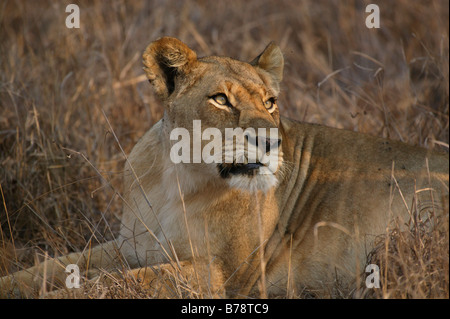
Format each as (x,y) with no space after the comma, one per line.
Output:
(164,60)
(271,60)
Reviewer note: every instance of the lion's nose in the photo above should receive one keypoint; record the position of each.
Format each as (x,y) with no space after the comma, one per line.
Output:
(270,143)
(265,143)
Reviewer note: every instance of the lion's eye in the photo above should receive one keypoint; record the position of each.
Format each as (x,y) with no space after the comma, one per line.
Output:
(220,99)
(270,104)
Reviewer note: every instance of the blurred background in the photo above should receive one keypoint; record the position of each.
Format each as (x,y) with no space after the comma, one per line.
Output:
(60,165)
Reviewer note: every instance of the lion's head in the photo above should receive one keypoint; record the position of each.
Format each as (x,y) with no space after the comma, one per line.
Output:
(221,117)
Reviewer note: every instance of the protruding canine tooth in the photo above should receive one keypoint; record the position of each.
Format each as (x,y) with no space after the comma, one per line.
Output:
(245,160)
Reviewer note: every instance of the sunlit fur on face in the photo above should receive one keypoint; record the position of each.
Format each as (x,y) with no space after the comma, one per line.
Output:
(251,168)
(235,95)
(236,159)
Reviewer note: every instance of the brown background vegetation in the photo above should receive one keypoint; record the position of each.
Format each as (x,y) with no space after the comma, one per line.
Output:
(60,167)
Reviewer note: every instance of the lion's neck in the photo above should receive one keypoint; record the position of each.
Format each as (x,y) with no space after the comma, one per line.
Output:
(186,179)
(178,180)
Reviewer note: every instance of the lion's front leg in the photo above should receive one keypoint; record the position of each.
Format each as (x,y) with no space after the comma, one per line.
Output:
(170,280)
(52,274)
(37,280)
(181,280)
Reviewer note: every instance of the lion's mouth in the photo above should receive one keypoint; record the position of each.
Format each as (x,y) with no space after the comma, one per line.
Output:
(249,169)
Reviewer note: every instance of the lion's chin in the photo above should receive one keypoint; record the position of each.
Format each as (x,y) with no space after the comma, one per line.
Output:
(258,179)
(253,184)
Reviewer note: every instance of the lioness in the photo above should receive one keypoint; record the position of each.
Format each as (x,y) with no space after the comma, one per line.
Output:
(242,228)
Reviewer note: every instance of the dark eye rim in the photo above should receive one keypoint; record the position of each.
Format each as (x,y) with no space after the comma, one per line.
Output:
(273,100)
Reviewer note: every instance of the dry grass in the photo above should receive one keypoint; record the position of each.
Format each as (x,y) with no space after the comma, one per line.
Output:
(56,82)
(414,263)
